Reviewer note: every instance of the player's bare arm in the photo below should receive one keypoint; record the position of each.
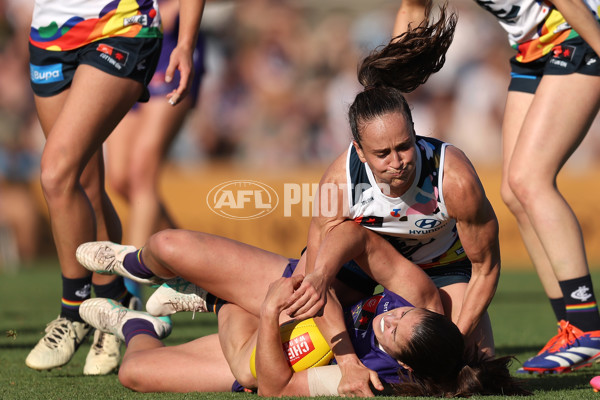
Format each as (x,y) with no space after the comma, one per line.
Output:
(478,231)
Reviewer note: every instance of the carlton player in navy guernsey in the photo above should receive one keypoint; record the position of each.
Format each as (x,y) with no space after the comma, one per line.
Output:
(419,193)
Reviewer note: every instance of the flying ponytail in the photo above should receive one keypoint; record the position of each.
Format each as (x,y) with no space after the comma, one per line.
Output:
(401,66)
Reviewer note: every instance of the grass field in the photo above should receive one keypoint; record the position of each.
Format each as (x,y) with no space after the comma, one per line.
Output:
(520,313)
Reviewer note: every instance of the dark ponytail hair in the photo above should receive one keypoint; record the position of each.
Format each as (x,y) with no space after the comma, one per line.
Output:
(401,66)
(442,366)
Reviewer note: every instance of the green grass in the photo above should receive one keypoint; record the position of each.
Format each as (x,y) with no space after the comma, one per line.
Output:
(520,313)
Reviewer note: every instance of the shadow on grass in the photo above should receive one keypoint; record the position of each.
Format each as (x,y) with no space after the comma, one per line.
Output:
(556,382)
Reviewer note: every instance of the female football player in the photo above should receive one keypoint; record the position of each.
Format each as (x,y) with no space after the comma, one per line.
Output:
(90,61)
(553,97)
(412,351)
(422,194)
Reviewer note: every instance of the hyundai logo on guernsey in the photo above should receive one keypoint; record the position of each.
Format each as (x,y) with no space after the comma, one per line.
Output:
(242,199)
(427,223)
(42,74)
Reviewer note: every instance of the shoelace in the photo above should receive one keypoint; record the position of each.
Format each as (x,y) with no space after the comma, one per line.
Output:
(565,336)
(187,302)
(99,345)
(56,331)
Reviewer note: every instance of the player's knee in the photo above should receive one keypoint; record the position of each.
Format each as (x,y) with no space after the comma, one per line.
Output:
(54,178)
(508,197)
(164,245)
(120,185)
(520,186)
(131,377)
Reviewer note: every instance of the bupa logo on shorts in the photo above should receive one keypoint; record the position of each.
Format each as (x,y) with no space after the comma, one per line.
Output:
(117,58)
(427,223)
(242,199)
(42,74)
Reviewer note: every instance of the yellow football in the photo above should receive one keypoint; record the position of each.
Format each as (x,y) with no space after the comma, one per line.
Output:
(303,344)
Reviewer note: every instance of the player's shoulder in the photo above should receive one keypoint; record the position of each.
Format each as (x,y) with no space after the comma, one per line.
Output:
(336,171)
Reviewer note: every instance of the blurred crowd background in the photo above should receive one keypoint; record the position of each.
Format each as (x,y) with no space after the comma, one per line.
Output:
(280,76)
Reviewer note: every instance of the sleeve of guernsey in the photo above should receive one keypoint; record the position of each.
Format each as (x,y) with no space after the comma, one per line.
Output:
(324,381)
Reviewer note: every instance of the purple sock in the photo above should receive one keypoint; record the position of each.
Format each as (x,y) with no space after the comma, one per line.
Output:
(135,265)
(138,326)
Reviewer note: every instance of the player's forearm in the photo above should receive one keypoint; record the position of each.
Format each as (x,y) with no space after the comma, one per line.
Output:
(190,15)
(333,328)
(272,370)
(479,294)
(342,243)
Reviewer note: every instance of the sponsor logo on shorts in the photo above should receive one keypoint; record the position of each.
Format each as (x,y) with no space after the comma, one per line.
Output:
(115,57)
(42,74)
(561,55)
(590,59)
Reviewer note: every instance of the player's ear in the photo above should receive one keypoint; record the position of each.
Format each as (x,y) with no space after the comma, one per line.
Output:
(359,151)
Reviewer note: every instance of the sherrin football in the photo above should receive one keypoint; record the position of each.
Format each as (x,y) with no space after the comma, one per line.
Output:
(303,344)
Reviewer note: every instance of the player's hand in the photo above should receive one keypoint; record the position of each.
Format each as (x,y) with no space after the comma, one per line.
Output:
(279,293)
(356,379)
(180,60)
(309,299)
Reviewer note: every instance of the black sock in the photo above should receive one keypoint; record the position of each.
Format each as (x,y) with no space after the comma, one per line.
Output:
(115,290)
(214,304)
(580,303)
(558,306)
(75,291)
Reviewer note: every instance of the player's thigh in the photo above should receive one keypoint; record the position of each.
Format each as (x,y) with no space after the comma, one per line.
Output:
(48,109)
(159,124)
(119,146)
(198,365)
(95,104)
(234,271)
(237,334)
(516,108)
(562,110)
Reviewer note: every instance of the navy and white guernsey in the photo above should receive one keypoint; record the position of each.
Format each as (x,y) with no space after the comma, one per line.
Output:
(359,324)
(416,223)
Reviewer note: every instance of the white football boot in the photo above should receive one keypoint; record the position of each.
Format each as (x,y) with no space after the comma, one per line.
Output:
(176,295)
(109,316)
(105,353)
(57,347)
